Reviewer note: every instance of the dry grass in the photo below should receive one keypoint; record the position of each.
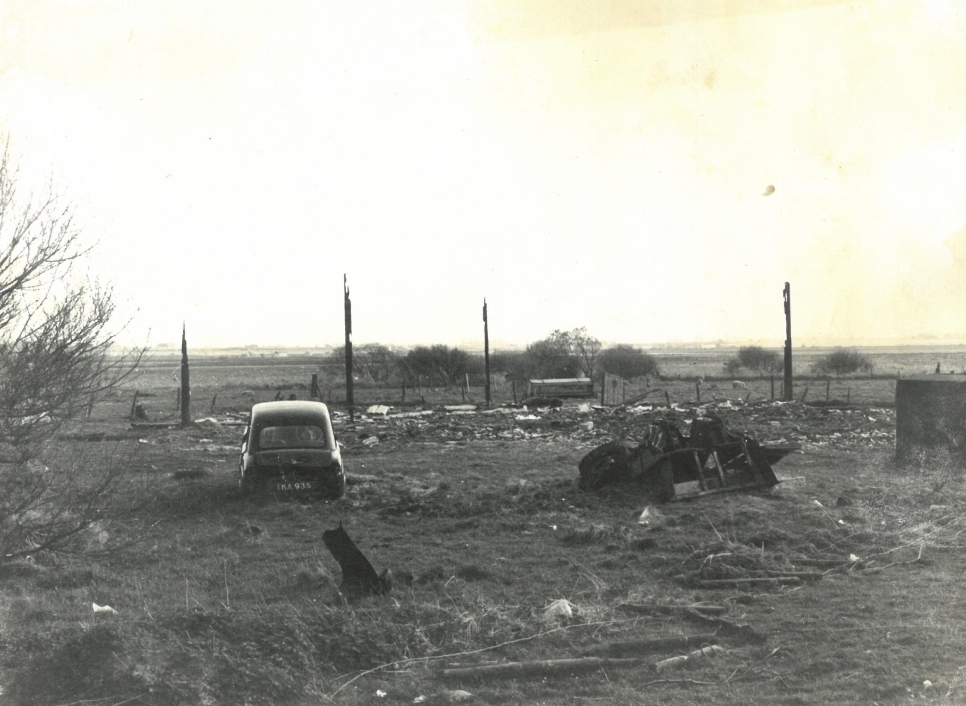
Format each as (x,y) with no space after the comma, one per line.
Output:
(233,601)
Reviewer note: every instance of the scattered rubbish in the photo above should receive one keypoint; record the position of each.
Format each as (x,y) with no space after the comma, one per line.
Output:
(584,408)
(650,517)
(704,653)
(585,426)
(358,576)
(419,699)
(560,608)
(370,441)
(537,402)
(460,407)
(716,459)
(380,693)
(378,409)
(103,609)
(457,695)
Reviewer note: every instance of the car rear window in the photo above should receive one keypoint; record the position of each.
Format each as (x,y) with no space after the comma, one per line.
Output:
(292,436)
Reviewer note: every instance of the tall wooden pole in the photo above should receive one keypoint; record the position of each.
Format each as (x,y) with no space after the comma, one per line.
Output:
(348,348)
(486,352)
(788,343)
(185,396)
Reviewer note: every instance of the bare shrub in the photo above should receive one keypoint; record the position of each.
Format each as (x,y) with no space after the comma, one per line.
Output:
(842,361)
(57,359)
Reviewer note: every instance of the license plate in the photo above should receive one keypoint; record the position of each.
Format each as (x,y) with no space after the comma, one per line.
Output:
(294,486)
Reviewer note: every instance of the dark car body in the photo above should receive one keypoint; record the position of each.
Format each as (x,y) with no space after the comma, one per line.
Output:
(289,449)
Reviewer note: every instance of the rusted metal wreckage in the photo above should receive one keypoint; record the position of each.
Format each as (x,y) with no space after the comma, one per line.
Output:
(712,458)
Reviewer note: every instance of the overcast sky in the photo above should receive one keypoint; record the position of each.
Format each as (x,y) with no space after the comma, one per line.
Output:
(652,170)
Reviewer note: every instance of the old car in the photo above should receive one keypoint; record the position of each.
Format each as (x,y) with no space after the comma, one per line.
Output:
(289,449)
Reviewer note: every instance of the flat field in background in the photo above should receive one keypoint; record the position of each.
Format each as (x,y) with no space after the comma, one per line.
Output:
(237,379)
(230,600)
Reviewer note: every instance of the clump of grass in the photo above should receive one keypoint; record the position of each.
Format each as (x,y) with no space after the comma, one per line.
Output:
(599,533)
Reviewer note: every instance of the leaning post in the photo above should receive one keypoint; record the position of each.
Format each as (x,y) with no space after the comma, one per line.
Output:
(787,389)
(486,352)
(348,348)
(185,396)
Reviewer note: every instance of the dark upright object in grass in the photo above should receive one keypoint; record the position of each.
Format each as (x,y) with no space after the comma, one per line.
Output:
(358,576)
(348,348)
(788,342)
(185,397)
(486,352)
(930,416)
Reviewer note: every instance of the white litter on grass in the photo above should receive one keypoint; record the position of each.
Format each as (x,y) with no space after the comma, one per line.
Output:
(526,416)
(584,408)
(380,693)
(853,557)
(560,608)
(103,609)
(379,409)
(457,695)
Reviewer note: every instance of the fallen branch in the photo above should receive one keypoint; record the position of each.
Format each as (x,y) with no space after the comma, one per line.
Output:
(545,667)
(664,609)
(725,628)
(739,583)
(703,653)
(662,644)
(431,658)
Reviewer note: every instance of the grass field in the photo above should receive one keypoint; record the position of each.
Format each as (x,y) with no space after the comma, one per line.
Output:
(229,600)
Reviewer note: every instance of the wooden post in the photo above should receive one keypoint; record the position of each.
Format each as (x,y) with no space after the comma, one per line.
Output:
(848,395)
(603,389)
(668,398)
(348,347)
(788,342)
(828,388)
(134,404)
(467,380)
(773,388)
(486,353)
(185,396)
(213,400)
(697,388)
(404,390)
(513,384)
(314,387)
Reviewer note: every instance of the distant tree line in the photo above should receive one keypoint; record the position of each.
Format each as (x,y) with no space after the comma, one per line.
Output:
(562,354)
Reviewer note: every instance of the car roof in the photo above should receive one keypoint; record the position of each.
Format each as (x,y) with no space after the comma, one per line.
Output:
(288,411)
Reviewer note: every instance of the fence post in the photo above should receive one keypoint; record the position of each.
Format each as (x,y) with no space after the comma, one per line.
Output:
(787,388)
(347,302)
(486,353)
(184,396)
